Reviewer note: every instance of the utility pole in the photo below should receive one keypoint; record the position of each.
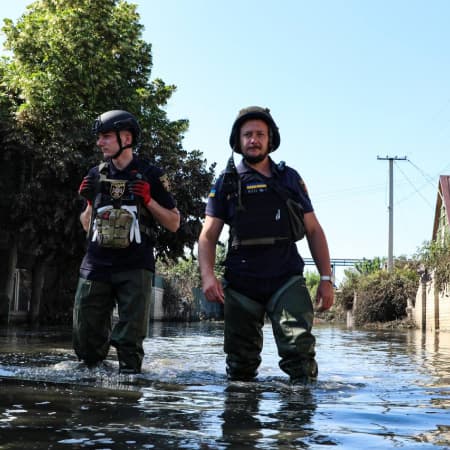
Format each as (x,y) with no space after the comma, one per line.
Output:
(391,160)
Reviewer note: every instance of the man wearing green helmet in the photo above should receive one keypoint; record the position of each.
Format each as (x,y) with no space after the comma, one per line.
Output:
(126,198)
(263,269)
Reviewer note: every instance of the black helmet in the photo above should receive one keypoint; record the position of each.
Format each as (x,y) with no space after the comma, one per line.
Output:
(251,113)
(118,120)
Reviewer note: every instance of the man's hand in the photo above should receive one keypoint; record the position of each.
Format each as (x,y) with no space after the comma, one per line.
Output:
(141,189)
(325,296)
(88,188)
(213,290)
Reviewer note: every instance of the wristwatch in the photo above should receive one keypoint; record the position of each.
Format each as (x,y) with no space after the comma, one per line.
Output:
(326,278)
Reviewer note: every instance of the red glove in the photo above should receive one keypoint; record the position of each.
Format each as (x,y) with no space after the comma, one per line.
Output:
(142,189)
(88,188)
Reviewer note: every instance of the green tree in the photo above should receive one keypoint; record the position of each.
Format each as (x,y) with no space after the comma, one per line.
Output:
(312,283)
(434,257)
(184,274)
(367,266)
(71,60)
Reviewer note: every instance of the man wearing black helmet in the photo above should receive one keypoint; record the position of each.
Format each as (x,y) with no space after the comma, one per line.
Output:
(126,198)
(263,269)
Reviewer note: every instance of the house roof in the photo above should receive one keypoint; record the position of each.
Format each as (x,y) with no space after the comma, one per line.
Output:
(443,197)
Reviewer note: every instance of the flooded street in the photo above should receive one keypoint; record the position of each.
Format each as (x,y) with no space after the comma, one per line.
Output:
(376,390)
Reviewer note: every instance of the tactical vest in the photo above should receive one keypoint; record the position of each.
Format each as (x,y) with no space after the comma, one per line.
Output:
(118,217)
(263,218)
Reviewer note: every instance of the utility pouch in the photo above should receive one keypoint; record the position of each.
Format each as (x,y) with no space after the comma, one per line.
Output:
(112,228)
(295,211)
(296,221)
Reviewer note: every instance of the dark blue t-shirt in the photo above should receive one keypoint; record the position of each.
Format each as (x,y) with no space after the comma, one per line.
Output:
(280,259)
(99,262)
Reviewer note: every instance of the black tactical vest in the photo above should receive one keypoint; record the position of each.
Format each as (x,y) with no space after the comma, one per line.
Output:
(263,219)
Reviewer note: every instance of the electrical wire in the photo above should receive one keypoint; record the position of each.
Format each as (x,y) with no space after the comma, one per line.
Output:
(413,186)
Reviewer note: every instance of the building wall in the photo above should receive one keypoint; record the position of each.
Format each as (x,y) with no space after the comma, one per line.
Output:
(444,310)
(418,314)
(432,308)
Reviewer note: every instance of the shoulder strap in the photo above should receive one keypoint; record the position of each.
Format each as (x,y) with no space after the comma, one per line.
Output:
(231,182)
(103,170)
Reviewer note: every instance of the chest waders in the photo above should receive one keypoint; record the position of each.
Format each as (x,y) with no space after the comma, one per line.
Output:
(117,220)
(264,218)
(290,311)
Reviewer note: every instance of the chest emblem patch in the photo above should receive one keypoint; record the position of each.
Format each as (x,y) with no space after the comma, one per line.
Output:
(117,189)
(165,182)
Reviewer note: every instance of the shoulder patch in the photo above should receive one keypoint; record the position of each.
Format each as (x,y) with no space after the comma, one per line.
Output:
(303,186)
(165,182)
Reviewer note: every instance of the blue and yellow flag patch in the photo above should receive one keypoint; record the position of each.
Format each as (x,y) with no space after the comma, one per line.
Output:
(256,187)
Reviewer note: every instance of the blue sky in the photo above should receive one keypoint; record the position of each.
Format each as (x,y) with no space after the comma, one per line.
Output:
(346,81)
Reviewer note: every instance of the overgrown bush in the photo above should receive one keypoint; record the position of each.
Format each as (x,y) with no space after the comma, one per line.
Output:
(346,292)
(382,296)
(180,277)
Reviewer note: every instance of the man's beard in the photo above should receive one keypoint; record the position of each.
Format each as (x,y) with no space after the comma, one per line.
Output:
(254,159)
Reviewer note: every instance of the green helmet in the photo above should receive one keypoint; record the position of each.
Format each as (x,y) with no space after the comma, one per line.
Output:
(118,120)
(252,113)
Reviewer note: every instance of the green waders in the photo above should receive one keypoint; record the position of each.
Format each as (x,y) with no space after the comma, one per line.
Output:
(291,313)
(93,331)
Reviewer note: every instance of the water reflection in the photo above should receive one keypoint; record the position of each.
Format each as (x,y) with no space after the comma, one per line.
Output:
(376,390)
(256,418)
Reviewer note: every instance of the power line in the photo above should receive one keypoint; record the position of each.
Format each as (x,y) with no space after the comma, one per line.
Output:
(427,177)
(413,186)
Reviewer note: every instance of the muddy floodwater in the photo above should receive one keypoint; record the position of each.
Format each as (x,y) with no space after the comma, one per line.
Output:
(376,390)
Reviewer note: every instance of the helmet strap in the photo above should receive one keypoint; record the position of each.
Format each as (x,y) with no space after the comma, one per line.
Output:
(270,138)
(121,148)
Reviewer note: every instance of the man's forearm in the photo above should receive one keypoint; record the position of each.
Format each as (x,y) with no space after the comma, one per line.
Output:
(168,218)
(85,218)
(319,251)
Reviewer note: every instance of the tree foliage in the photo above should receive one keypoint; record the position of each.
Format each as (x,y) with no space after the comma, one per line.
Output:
(367,266)
(72,60)
(69,61)
(184,274)
(312,283)
(435,259)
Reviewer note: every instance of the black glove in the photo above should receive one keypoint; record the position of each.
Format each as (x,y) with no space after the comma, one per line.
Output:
(88,188)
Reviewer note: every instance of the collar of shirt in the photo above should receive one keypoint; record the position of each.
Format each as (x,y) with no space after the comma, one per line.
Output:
(114,171)
(243,167)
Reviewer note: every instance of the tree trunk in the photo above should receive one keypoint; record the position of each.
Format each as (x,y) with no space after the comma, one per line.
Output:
(37,285)
(8,258)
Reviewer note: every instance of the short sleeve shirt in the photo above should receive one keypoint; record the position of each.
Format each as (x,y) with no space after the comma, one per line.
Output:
(260,261)
(99,262)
